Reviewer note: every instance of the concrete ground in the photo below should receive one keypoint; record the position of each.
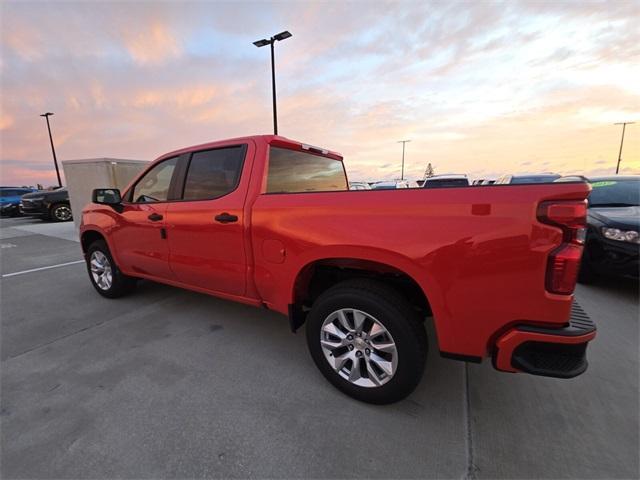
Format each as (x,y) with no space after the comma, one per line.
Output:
(172,384)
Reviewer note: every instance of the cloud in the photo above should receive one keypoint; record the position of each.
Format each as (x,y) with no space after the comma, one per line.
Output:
(152,45)
(478,87)
(6,121)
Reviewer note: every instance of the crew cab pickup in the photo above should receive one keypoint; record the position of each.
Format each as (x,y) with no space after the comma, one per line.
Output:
(271,222)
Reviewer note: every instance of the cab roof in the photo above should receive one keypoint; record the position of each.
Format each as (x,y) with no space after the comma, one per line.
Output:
(274,140)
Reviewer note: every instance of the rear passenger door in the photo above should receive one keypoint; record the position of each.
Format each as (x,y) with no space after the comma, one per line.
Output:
(206,228)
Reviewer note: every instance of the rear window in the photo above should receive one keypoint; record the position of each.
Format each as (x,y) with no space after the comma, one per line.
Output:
(535,179)
(450,182)
(213,173)
(291,171)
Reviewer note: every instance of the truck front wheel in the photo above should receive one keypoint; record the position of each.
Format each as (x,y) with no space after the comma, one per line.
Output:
(104,274)
(367,340)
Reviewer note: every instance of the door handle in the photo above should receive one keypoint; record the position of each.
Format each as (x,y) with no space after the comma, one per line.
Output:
(226,218)
(155,217)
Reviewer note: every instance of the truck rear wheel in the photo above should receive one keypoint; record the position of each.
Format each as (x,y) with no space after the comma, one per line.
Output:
(104,274)
(367,340)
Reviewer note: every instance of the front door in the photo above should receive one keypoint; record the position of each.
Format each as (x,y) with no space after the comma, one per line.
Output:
(140,236)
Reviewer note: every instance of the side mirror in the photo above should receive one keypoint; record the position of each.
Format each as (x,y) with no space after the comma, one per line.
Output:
(106,196)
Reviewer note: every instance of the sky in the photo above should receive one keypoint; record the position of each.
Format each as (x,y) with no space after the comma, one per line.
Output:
(482,88)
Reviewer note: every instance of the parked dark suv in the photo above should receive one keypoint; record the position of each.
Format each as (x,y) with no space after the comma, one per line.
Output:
(612,245)
(50,205)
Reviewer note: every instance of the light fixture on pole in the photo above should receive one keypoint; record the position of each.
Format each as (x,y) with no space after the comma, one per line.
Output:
(624,126)
(403,142)
(263,43)
(53,150)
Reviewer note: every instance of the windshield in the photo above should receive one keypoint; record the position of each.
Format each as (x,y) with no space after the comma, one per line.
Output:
(611,193)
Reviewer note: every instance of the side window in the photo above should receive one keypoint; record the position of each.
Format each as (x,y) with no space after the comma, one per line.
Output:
(294,171)
(154,185)
(213,173)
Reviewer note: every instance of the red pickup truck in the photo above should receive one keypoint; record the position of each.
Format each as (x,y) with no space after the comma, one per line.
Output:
(270,222)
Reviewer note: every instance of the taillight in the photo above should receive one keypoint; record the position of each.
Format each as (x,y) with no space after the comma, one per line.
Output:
(564,262)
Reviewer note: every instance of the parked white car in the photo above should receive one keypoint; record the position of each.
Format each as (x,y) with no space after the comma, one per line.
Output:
(359,186)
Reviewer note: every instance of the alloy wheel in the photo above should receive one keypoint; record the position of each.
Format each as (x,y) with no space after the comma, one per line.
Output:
(359,347)
(62,213)
(101,270)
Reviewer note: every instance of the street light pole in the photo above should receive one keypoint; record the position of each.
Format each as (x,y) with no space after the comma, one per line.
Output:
(273,89)
(403,142)
(624,126)
(53,150)
(271,42)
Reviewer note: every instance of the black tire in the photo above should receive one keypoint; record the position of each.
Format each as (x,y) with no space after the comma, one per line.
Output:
(121,284)
(61,212)
(395,314)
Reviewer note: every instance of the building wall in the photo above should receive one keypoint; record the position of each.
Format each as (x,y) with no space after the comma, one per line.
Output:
(83,176)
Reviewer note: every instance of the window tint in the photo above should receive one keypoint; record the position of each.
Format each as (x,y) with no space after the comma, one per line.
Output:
(535,179)
(8,193)
(213,173)
(452,182)
(154,185)
(292,171)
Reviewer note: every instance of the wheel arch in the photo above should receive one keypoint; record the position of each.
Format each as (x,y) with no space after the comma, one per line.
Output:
(317,275)
(88,237)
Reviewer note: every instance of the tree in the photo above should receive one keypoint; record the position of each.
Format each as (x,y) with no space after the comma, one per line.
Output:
(429,172)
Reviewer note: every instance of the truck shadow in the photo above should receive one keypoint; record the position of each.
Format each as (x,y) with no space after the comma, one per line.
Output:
(264,336)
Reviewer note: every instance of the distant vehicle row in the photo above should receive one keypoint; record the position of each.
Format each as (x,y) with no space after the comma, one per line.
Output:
(10,199)
(456,180)
(46,204)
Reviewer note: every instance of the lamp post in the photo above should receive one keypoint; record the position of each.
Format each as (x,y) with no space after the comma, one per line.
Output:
(403,142)
(271,41)
(53,150)
(624,125)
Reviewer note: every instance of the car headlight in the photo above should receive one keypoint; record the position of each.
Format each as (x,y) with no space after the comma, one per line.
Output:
(630,236)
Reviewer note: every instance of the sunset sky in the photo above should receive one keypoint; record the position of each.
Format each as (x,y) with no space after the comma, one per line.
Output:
(482,88)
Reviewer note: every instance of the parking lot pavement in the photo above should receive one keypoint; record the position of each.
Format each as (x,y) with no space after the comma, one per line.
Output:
(169,383)
(586,427)
(28,243)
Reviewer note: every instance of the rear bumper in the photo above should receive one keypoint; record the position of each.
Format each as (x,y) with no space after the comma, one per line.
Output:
(545,351)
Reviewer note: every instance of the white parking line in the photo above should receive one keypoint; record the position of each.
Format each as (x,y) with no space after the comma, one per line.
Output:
(41,268)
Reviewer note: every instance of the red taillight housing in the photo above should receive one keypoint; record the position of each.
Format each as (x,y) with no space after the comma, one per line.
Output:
(564,262)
